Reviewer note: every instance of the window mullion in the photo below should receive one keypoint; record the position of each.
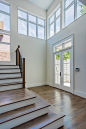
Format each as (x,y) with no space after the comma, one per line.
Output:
(36,27)
(55,23)
(27,25)
(44,29)
(69,6)
(5,13)
(75,10)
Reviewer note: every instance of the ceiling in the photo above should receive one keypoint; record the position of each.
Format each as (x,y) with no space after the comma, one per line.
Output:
(44,4)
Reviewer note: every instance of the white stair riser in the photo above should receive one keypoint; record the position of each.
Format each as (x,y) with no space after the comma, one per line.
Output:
(23,119)
(10,71)
(9,66)
(13,106)
(10,81)
(55,125)
(11,87)
(6,63)
(10,75)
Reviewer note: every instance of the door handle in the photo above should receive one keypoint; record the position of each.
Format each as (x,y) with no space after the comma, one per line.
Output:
(60,73)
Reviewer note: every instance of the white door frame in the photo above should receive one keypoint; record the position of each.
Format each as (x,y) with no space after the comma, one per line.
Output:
(71,49)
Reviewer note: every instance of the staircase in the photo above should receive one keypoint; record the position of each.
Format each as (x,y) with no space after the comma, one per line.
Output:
(21,108)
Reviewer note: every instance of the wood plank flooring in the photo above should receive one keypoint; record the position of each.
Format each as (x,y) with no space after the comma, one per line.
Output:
(74,107)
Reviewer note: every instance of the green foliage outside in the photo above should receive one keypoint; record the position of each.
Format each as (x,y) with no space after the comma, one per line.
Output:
(58,57)
(65,56)
(83,8)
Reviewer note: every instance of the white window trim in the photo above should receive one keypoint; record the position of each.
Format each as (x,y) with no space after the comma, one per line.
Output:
(65,9)
(34,24)
(62,42)
(59,16)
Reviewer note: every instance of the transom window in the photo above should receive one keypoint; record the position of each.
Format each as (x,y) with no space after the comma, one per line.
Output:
(73,9)
(30,25)
(54,23)
(4,16)
(65,44)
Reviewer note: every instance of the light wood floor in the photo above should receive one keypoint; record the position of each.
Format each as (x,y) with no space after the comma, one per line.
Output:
(74,107)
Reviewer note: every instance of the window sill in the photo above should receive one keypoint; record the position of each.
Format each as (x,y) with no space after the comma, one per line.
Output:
(74,21)
(31,36)
(53,35)
(5,32)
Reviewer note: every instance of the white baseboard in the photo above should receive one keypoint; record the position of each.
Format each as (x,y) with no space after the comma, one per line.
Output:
(34,85)
(39,84)
(81,94)
(49,84)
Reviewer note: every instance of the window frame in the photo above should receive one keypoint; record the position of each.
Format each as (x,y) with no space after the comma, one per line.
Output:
(6,32)
(63,42)
(75,11)
(6,13)
(66,9)
(6,42)
(55,19)
(33,23)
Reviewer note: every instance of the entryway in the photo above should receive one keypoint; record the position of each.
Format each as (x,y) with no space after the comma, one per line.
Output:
(63,64)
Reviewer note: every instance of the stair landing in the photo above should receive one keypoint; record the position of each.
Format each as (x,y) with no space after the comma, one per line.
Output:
(14,96)
(52,120)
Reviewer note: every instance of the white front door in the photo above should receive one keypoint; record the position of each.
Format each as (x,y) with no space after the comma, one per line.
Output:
(63,70)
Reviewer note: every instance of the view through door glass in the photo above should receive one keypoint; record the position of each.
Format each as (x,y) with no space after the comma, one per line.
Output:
(66,68)
(57,69)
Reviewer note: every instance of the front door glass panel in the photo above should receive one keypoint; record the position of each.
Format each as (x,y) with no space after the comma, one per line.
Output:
(57,69)
(66,68)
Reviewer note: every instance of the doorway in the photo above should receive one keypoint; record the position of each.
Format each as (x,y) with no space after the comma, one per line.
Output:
(63,65)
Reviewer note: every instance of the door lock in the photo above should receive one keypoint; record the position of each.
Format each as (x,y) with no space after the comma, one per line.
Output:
(60,73)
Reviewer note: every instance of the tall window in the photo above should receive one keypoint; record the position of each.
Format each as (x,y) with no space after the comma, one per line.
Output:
(4,26)
(31,25)
(73,9)
(4,16)
(54,23)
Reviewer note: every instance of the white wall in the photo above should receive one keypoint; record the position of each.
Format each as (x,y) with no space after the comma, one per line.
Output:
(33,49)
(78,28)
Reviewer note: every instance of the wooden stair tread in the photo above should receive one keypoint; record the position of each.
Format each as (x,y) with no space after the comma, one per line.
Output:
(43,121)
(13,83)
(8,65)
(14,96)
(10,78)
(11,73)
(40,104)
(7,68)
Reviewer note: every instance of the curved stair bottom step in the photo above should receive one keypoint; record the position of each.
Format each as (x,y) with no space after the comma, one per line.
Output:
(51,120)
(23,119)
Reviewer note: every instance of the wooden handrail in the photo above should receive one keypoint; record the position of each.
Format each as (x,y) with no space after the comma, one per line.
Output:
(20,61)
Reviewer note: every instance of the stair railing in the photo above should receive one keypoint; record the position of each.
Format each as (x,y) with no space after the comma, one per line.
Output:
(20,61)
